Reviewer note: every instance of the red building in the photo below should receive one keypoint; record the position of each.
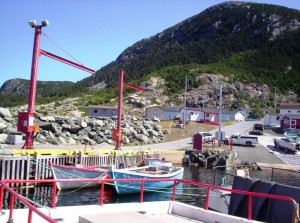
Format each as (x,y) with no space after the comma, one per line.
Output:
(290,121)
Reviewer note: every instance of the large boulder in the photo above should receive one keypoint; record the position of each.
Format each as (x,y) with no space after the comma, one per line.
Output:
(3,138)
(5,113)
(142,138)
(2,126)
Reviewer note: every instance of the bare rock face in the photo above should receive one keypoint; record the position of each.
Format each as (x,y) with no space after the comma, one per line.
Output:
(14,86)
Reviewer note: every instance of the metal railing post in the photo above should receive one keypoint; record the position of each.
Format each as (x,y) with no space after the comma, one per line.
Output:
(174,191)
(11,208)
(30,216)
(101,193)
(207,198)
(142,191)
(1,197)
(250,207)
(54,195)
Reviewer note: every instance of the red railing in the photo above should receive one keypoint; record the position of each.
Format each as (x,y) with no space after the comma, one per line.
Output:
(208,187)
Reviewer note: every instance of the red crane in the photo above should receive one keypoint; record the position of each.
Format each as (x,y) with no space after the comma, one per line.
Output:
(117,133)
(26,119)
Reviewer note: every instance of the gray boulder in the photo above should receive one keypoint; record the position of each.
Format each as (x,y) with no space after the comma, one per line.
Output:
(3,138)
(142,138)
(5,113)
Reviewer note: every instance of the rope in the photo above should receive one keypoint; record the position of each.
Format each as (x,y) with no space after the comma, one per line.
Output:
(224,182)
(128,76)
(62,48)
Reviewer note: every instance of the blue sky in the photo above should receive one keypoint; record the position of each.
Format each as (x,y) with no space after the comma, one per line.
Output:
(95,32)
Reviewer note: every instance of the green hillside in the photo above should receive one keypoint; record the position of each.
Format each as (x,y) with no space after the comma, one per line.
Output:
(248,42)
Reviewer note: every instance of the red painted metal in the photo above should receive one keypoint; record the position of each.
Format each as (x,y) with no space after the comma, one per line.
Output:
(33,79)
(142,191)
(174,191)
(101,194)
(54,195)
(1,197)
(71,63)
(207,196)
(24,201)
(33,82)
(118,131)
(120,105)
(11,206)
(134,87)
(249,207)
(208,186)
(29,216)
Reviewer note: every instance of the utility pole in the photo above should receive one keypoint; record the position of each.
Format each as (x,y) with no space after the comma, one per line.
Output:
(275,103)
(184,102)
(220,117)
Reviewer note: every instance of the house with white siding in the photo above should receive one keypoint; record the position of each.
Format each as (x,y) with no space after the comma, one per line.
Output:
(163,113)
(202,114)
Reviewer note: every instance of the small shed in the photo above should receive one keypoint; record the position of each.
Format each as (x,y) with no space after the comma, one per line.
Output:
(272,120)
(102,111)
(290,122)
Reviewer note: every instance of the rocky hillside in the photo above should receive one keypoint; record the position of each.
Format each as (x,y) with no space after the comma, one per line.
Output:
(251,48)
(215,35)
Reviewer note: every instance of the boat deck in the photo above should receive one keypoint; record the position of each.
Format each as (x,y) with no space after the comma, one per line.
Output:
(159,212)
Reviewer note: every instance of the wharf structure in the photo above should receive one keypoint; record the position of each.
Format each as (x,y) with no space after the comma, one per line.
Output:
(19,164)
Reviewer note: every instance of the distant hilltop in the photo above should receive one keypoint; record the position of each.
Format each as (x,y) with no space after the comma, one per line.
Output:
(253,47)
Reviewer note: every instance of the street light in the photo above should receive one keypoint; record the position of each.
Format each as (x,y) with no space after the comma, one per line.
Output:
(32,23)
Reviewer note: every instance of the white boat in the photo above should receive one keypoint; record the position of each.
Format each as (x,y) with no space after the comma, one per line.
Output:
(72,172)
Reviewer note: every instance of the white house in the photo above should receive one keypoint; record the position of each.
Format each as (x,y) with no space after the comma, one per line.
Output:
(289,108)
(240,116)
(163,113)
(202,114)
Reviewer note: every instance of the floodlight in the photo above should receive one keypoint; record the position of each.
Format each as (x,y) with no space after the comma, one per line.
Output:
(45,23)
(32,23)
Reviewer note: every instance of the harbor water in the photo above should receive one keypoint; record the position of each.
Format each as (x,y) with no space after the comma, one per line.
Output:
(194,195)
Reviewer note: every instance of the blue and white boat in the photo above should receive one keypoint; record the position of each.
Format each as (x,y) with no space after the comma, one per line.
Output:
(145,172)
(292,137)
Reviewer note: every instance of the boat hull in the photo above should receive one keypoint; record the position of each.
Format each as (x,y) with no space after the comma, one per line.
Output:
(69,172)
(135,186)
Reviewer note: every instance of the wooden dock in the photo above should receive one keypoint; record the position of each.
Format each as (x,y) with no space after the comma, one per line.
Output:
(34,164)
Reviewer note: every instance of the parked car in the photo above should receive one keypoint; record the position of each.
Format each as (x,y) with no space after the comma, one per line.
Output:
(286,145)
(237,139)
(206,137)
(258,129)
